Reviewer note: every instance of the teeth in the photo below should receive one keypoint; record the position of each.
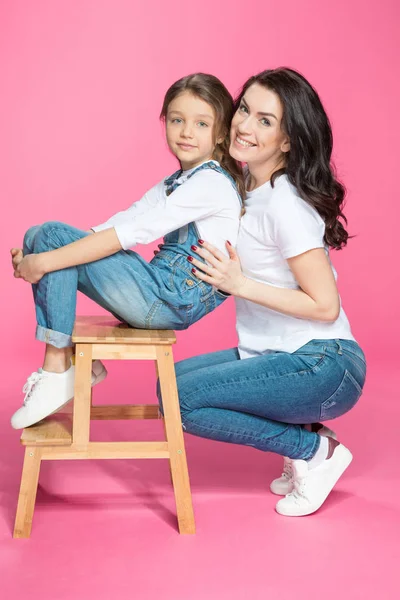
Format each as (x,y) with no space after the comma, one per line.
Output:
(243,143)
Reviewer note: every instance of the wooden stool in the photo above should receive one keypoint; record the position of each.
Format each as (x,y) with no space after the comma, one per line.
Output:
(55,438)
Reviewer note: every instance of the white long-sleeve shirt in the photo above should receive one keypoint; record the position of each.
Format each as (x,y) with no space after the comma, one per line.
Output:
(208,199)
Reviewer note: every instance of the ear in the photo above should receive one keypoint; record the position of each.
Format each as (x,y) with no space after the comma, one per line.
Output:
(219,140)
(285,145)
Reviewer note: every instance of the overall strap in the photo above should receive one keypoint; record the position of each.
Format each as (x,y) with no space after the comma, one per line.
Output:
(171,181)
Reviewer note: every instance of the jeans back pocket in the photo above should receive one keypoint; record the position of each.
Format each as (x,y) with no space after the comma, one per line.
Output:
(343,399)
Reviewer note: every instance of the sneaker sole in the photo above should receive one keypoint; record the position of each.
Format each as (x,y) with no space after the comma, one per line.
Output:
(340,469)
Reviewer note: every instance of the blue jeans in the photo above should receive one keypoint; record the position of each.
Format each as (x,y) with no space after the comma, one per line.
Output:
(162,294)
(264,401)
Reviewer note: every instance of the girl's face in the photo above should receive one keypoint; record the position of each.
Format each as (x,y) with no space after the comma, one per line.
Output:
(256,135)
(189,128)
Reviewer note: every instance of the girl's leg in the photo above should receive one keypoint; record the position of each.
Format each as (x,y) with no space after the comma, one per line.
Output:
(118,283)
(52,292)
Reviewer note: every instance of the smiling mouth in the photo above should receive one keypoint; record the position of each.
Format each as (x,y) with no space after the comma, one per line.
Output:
(243,143)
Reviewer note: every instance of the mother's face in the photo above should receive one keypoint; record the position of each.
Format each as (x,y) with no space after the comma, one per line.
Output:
(256,133)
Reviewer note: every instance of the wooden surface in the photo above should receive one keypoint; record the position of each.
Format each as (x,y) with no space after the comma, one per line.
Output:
(176,444)
(52,438)
(117,351)
(124,411)
(107,450)
(53,431)
(83,394)
(27,493)
(108,330)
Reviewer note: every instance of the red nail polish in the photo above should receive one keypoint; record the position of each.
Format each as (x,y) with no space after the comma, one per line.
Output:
(194,248)
(229,242)
(201,241)
(190,258)
(193,270)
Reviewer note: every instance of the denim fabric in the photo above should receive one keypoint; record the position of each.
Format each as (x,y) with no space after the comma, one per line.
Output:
(162,294)
(264,401)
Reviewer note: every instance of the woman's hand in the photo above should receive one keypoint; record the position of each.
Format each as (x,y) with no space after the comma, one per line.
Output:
(30,268)
(223,273)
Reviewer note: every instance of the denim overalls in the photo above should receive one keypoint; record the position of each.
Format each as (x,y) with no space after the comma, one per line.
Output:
(197,297)
(162,294)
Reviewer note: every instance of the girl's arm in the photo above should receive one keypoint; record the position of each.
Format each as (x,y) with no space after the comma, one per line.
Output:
(88,249)
(203,195)
(318,298)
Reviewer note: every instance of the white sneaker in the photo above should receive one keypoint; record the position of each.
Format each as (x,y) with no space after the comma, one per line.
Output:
(312,486)
(45,393)
(284,484)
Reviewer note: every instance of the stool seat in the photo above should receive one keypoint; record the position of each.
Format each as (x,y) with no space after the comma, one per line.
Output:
(59,437)
(107,330)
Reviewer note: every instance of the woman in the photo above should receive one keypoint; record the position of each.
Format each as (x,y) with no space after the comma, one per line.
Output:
(297,361)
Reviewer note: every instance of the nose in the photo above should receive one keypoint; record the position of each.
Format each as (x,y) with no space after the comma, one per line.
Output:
(244,125)
(187,130)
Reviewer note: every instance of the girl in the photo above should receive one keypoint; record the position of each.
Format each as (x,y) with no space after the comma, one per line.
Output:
(199,200)
(297,360)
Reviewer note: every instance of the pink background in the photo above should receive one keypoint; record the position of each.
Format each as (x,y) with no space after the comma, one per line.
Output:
(82,85)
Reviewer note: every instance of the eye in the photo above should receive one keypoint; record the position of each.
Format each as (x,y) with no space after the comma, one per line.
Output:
(243,108)
(176,120)
(202,124)
(265,122)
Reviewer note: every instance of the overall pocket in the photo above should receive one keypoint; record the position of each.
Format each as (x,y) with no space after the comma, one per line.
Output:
(343,399)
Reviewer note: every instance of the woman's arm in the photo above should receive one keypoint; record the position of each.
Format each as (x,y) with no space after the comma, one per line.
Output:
(318,298)
(88,249)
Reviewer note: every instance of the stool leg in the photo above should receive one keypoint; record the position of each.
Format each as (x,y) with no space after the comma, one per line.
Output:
(173,427)
(27,492)
(160,416)
(82,399)
(169,463)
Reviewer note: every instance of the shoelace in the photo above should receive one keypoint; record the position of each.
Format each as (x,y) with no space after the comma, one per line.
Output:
(287,471)
(298,492)
(33,380)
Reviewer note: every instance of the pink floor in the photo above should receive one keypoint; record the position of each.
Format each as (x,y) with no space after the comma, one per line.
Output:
(107,529)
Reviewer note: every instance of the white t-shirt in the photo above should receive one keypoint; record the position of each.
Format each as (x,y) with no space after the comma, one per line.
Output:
(208,199)
(278,225)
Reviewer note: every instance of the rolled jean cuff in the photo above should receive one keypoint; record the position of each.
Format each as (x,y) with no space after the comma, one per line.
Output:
(55,338)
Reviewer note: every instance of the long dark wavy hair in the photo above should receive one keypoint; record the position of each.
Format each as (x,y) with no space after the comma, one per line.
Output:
(211,90)
(308,163)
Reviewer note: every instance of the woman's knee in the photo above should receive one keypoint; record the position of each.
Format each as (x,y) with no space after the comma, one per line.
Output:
(184,408)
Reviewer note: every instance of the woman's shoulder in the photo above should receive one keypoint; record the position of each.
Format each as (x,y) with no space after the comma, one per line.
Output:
(285,200)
